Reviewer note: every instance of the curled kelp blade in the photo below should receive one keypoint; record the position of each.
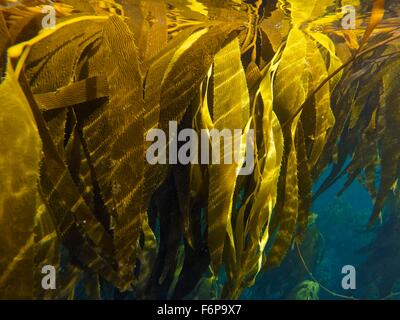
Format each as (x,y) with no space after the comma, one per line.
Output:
(251,232)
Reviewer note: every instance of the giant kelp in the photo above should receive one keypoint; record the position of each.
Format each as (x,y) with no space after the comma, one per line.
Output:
(78,100)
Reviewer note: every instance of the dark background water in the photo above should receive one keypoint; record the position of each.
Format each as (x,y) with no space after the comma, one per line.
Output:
(340,238)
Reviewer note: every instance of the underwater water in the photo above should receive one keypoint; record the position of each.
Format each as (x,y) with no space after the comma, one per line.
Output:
(200,149)
(334,250)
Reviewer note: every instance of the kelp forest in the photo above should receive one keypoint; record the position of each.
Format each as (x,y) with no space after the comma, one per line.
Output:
(86,87)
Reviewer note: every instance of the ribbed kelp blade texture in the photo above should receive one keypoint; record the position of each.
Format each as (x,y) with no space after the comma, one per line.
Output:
(230,110)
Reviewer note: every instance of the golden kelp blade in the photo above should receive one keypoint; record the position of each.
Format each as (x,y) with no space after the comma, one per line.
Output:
(378,11)
(179,86)
(292,80)
(151,34)
(170,87)
(125,118)
(115,150)
(5,41)
(20,150)
(252,232)
(230,111)
(285,217)
(47,248)
(42,80)
(155,175)
(306,11)
(305,183)
(318,118)
(291,89)
(276,27)
(60,190)
(197,6)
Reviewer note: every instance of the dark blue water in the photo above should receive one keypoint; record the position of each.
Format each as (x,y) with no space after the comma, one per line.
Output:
(341,238)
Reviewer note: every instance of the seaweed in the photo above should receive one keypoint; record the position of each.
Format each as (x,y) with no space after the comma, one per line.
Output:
(79,100)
